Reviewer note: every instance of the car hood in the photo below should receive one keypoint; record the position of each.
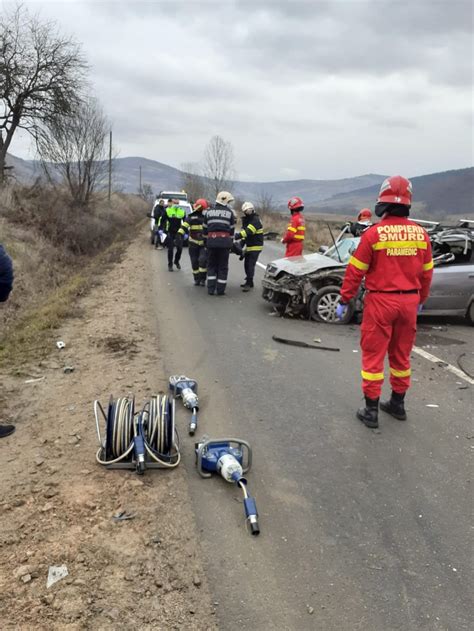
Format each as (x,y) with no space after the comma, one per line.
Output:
(302,265)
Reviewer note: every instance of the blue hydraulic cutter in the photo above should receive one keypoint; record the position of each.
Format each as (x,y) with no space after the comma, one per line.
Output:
(231,457)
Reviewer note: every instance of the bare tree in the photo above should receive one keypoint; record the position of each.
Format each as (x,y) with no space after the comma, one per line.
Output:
(146,193)
(265,202)
(219,166)
(41,75)
(73,149)
(192,181)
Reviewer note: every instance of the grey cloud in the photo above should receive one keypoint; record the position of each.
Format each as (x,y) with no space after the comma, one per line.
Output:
(300,85)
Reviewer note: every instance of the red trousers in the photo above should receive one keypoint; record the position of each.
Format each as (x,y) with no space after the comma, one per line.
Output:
(294,248)
(388,327)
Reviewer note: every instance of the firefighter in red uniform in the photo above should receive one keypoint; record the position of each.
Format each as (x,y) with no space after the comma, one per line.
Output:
(395,258)
(294,236)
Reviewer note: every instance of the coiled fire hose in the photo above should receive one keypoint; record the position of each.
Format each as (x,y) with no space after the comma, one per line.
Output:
(151,430)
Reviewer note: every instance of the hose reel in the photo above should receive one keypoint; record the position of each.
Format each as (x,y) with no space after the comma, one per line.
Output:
(138,440)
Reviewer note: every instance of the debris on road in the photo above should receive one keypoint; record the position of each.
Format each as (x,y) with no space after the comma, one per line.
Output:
(68,369)
(432,405)
(458,361)
(123,516)
(34,380)
(283,340)
(60,344)
(56,573)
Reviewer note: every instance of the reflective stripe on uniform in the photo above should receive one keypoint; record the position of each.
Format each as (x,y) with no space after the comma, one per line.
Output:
(195,271)
(302,228)
(400,373)
(254,248)
(203,270)
(299,236)
(252,228)
(428,266)
(211,277)
(220,280)
(386,245)
(243,234)
(356,263)
(372,376)
(195,241)
(291,229)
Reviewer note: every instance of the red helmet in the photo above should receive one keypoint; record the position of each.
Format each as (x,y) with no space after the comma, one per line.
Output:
(396,190)
(364,215)
(295,203)
(200,204)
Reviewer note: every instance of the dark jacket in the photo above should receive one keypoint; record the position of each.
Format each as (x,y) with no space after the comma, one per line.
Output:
(219,225)
(252,232)
(193,226)
(6,275)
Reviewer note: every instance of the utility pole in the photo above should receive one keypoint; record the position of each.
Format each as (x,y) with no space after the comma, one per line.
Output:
(110,166)
(140,184)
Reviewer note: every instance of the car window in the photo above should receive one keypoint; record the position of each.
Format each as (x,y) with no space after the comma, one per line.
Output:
(345,249)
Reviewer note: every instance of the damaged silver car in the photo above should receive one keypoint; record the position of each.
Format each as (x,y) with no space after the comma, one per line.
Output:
(310,285)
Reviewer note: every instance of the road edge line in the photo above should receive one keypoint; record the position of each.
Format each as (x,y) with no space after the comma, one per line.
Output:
(436,360)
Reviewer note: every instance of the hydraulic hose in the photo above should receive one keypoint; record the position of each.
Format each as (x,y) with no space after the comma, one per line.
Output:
(160,434)
(121,428)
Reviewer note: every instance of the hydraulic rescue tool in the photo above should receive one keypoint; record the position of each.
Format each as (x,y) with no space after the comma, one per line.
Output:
(186,389)
(138,439)
(231,457)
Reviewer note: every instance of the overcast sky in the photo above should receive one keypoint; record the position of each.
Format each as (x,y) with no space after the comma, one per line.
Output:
(301,89)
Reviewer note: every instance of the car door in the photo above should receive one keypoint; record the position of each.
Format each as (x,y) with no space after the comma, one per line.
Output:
(452,289)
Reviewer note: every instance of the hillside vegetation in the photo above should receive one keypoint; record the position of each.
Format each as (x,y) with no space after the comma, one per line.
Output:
(57,250)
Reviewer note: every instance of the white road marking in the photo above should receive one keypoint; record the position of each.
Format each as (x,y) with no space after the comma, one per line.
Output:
(432,358)
(436,360)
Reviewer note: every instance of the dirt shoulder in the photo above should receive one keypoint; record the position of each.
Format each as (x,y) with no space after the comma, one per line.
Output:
(57,504)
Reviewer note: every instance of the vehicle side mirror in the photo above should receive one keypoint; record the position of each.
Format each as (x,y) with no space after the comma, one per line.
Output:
(323,249)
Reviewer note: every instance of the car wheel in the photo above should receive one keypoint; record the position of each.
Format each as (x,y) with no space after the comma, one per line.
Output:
(323,305)
(470,314)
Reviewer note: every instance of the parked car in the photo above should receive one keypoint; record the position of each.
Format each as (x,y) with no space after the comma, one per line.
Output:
(310,285)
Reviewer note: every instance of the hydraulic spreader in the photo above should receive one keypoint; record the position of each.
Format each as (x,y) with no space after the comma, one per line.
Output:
(231,458)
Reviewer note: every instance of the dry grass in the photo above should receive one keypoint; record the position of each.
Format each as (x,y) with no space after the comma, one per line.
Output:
(317,229)
(57,250)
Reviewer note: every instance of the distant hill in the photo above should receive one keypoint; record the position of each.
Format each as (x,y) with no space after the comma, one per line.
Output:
(448,192)
(161,176)
(436,194)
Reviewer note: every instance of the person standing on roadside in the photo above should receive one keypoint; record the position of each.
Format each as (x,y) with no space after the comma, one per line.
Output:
(294,236)
(395,258)
(251,236)
(170,223)
(157,213)
(364,221)
(6,285)
(193,226)
(219,225)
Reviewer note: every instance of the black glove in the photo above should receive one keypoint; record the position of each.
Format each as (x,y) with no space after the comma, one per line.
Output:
(178,241)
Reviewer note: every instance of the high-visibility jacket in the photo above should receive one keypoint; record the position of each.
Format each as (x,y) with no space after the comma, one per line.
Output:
(294,235)
(252,232)
(193,226)
(219,225)
(171,219)
(394,256)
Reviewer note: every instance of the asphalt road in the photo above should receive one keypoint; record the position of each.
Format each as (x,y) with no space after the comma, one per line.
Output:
(361,529)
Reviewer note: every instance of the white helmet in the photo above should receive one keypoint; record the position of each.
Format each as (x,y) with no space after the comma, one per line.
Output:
(224,198)
(248,208)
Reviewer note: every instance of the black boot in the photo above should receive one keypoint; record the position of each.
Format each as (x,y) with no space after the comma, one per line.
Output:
(395,406)
(6,430)
(244,284)
(370,414)
(247,287)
